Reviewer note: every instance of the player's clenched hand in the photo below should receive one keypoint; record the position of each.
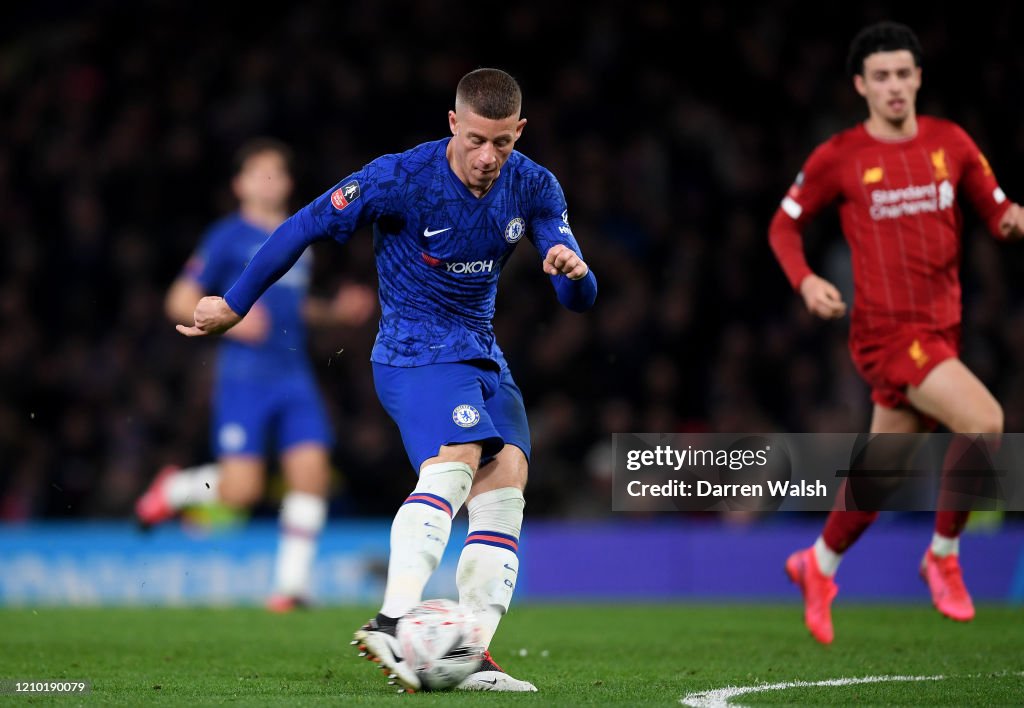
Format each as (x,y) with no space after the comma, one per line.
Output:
(822,298)
(562,260)
(212,316)
(1012,223)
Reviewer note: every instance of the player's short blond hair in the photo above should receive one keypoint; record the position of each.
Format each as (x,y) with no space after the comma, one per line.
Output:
(490,93)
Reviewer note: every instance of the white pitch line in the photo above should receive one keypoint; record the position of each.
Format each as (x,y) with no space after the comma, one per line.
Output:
(719,697)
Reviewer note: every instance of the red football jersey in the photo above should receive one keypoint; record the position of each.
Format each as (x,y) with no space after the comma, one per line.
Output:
(899,213)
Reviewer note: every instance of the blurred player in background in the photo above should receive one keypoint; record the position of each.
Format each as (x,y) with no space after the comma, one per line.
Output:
(265,391)
(446,217)
(896,177)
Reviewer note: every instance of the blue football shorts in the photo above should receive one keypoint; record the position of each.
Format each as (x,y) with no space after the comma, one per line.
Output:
(453,402)
(254,417)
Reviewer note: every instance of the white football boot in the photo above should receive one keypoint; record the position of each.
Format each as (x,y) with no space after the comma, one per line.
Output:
(492,677)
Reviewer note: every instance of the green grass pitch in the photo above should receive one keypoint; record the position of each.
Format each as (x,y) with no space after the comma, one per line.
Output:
(626,655)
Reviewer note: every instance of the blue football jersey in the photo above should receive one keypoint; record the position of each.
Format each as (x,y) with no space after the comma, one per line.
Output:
(225,250)
(439,248)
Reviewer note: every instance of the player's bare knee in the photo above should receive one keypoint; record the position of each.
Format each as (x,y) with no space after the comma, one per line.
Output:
(307,469)
(515,468)
(988,420)
(509,469)
(516,477)
(469,453)
(991,422)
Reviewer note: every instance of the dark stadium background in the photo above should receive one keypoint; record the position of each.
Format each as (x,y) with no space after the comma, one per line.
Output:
(674,129)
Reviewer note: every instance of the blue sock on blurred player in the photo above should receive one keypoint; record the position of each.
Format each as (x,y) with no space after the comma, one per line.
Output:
(489,564)
(420,532)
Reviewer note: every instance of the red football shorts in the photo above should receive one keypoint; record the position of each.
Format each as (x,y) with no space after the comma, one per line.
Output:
(890,364)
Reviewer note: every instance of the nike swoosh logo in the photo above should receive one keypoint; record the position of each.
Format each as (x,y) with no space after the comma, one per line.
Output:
(427,233)
(493,682)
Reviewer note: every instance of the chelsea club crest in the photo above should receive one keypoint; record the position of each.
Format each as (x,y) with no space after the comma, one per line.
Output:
(465,416)
(515,229)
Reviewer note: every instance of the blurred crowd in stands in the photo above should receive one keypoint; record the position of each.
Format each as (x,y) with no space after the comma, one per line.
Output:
(673,128)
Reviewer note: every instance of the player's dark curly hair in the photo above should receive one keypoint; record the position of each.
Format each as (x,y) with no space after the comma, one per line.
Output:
(490,93)
(256,146)
(881,37)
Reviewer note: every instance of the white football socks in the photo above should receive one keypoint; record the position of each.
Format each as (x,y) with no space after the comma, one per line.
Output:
(828,560)
(302,519)
(489,564)
(419,533)
(195,486)
(943,546)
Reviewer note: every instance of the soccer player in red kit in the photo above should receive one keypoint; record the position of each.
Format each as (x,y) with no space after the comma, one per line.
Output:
(896,178)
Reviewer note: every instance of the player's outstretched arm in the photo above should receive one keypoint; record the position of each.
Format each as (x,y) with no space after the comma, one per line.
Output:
(577,291)
(822,297)
(212,316)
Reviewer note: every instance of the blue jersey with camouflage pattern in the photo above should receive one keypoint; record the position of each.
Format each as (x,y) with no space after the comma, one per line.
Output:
(439,248)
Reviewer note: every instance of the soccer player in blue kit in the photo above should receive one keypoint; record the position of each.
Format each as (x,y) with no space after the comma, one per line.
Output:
(265,391)
(446,217)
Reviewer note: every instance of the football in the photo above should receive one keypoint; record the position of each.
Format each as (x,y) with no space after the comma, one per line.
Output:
(442,642)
